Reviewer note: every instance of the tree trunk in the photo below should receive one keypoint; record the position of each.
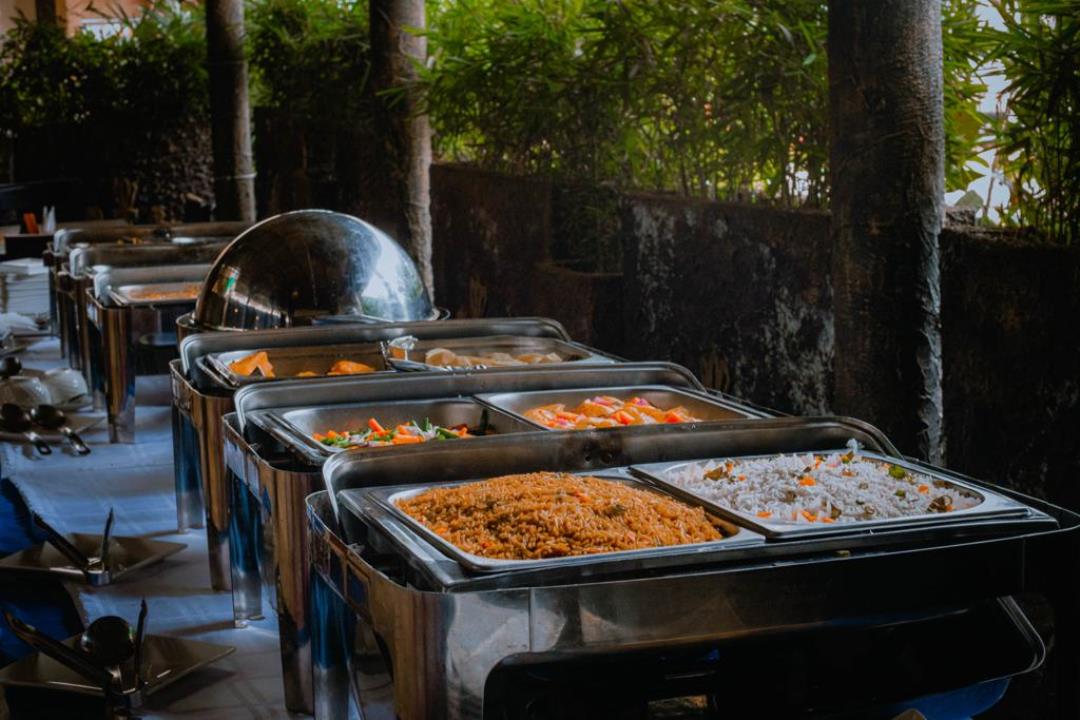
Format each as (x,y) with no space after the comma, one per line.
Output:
(887,172)
(404,207)
(45,12)
(234,176)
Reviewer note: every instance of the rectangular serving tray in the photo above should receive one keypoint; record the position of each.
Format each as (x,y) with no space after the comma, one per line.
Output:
(300,424)
(409,353)
(993,506)
(647,558)
(128,295)
(707,407)
(289,362)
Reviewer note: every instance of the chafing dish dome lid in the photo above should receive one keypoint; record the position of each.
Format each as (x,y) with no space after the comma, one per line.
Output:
(293,268)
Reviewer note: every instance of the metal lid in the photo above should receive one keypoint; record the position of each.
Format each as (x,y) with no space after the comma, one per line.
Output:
(296,267)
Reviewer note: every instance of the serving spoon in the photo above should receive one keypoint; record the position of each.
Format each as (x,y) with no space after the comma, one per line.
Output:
(51,417)
(14,419)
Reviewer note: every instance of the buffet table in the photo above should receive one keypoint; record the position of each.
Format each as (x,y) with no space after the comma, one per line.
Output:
(75,493)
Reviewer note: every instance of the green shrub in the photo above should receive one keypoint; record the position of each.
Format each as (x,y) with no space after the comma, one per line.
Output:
(310,58)
(1038,136)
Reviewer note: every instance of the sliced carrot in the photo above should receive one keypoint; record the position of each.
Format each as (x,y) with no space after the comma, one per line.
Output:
(827,520)
(406,440)
(374,425)
(924,488)
(764,514)
(809,515)
(807,481)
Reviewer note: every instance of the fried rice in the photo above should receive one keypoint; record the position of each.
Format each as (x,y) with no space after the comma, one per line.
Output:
(544,515)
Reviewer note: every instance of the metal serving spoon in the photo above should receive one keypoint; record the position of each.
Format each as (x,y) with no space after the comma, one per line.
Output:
(51,417)
(14,419)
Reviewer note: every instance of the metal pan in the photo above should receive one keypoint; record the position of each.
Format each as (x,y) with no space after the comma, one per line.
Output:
(196,345)
(372,388)
(409,352)
(591,450)
(296,427)
(992,506)
(289,362)
(706,407)
(156,294)
(645,558)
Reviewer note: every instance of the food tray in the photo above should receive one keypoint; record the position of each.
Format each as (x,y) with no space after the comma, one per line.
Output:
(994,507)
(289,362)
(129,295)
(407,353)
(386,497)
(300,424)
(708,408)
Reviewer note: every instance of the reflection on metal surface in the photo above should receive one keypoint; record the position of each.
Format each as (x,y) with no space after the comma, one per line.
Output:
(294,268)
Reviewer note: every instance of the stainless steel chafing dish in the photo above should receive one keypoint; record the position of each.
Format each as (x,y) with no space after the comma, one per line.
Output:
(385,595)
(84,262)
(203,391)
(121,311)
(272,471)
(64,297)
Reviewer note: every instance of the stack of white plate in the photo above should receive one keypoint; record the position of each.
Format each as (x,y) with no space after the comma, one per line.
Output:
(24,287)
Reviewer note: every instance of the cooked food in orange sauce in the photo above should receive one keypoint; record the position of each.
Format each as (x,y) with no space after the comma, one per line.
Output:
(256,361)
(260,361)
(545,514)
(604,411)
(187,292)
(348,367)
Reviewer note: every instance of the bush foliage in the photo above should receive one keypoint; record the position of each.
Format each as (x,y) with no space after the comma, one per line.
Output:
(716,98)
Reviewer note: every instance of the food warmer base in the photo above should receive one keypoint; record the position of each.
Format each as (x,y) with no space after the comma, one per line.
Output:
(412,647)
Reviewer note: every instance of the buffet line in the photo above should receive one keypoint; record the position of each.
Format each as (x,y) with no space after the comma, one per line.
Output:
(470,518)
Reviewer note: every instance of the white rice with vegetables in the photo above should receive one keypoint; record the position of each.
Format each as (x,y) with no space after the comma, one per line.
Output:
(841,487)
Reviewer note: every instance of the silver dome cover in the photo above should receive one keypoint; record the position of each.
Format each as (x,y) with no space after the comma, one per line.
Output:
(293,268)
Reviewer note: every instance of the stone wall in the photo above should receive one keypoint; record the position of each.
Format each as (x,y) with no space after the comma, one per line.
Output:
(1011,346)
(738,293)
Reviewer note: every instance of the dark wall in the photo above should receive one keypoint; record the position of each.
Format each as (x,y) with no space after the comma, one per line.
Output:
(163,169)
(738,293)
(1011,343)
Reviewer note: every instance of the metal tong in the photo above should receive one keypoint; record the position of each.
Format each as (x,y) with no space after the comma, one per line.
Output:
(106,655)
(97,565)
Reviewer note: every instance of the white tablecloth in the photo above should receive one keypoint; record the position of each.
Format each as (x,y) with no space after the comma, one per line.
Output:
(74,494)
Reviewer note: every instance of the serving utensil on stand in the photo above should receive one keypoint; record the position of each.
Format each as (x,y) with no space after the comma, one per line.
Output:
(108,659)
(51,417)
(94,559)
(14,419)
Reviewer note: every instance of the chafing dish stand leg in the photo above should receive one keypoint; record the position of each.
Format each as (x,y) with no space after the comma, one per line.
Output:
(217,490)
(245,530)
(119,359)
(189,502)
(331,631)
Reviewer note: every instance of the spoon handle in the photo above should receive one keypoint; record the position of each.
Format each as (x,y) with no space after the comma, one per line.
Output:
(41,445)
(76,442)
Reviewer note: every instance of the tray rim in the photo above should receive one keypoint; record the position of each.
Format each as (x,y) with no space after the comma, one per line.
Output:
(384,498)
(1003,507)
